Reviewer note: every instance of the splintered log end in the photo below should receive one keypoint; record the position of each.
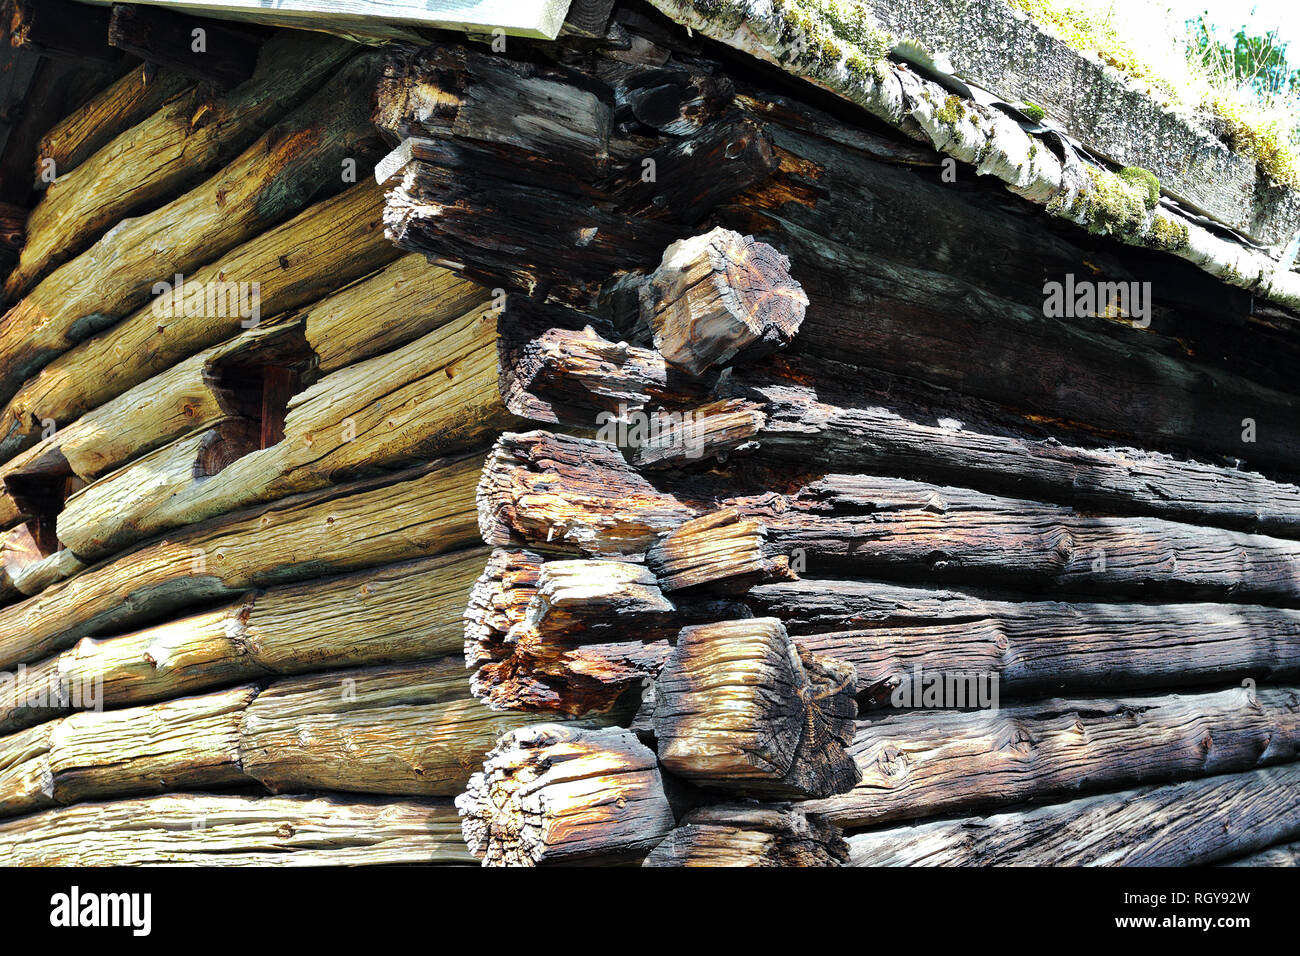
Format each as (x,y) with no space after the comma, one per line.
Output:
(716,547)
(591,632)
(570,494)
(550,793)
(751,835)
(722,297)
(739,706)
(497,602)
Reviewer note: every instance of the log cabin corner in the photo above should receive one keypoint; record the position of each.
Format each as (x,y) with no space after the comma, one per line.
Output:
(655,432)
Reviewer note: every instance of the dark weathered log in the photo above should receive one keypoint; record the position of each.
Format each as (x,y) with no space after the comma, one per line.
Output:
(891,633)
(555,370)
(1286,854)
(329,244)
(13,227)
(294,161)
(722,298)
(751,834)
(557,794)
(587,18)
(927,762)
(394,613)
(223,830)
(912,322)
(422,511)
(582,496)
(61,28)
(683,182)
(1184,824)
(678,102)
(718,547)
(555,367)
(739,706)
(112,111)
(226,56)
(539,114)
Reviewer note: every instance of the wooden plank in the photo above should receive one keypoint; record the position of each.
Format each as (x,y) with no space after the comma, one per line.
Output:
(61,28)
(527,18)
(207,829)
(1185,824)
(929,762)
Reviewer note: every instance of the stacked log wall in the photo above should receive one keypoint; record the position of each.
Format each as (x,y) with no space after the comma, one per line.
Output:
(622,387)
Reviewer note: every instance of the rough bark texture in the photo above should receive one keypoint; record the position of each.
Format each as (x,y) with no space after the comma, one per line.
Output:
(751,834)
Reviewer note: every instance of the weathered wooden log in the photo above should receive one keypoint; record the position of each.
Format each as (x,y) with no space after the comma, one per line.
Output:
(189,137)
(582,496)
(572,637)
(751,834)
(927,762)
(555,370)
(13,227)
(268,182)
(678,102)
(38,575)
(1183,824)
(739,706)
(722,298)
(329,244)
(418,512)
(1286,854)
(190,742)
(787,420)
(558,116)
(404,729)
(394,306)
(112,111)
(568,649)
(717,547)
(891,633)
(220,53)
(551,793)
(19,549)
(393,613)
(236,831)
(436,395)
(150,483)
(60,28)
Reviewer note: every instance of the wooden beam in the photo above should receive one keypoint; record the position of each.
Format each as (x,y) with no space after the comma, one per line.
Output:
(61,28)
(220,54)
(189,137)
(266,184)
(291,264)
(367,18)
(393,613)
